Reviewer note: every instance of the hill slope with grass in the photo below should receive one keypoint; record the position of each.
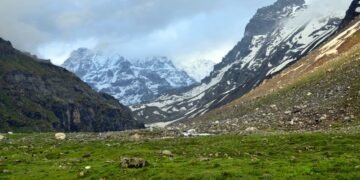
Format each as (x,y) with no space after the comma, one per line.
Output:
(321,90)
(36,96)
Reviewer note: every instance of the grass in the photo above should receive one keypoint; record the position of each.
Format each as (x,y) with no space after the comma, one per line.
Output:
(314,155)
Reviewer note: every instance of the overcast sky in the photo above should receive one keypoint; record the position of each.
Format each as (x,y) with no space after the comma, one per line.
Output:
(184,30)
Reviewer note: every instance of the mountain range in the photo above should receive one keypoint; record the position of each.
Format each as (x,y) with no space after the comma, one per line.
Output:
(291,33)
(129,81)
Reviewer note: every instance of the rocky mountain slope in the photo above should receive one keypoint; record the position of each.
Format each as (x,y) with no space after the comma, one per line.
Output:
(291,32)
(131,82)
(320,91)
(36,96)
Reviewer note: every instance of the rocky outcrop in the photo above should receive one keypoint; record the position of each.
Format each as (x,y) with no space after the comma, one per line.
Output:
(352,13)
(38,96)
(6,47)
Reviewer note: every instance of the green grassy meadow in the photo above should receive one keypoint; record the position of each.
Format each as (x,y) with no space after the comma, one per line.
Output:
(295,155)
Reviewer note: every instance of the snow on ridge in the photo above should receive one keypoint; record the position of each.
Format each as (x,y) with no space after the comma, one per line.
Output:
(129,81)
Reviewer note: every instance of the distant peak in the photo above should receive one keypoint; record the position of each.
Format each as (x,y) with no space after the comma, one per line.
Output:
(6,47)
(81,51)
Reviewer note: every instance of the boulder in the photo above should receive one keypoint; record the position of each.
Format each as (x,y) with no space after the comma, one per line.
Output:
(167,153)
(251,129)
(133,162)
(60,136)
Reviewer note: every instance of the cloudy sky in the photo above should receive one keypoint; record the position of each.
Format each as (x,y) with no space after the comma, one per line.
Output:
(184,30)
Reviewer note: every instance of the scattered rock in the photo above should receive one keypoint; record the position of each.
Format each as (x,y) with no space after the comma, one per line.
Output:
(2,137)
(323,117)
(10,133)
(288,112)
(309,94)
(133,163)
(60,136)
(6,171)
(273,106)
(347,119)
(251,129)
(82,174)
(167,153)
(88,167)
(204,159)
(292,122)
(135,137)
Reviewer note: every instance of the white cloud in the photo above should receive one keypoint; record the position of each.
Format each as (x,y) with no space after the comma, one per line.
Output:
(58,52)
(184,30)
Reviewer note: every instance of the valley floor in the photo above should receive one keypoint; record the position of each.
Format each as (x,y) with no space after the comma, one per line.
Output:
(331,154)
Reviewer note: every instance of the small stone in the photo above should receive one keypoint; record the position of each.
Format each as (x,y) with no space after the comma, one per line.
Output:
(82,174)
(135,137)
(6,171)
(357,167)
(133,163)
(88,167)
(323,117)
(10,133)
(292,122)
(251,129)
(2,137)
(60,136)
(309,94)
(167,153)
(273,106)
(204,159)
(347,119)
(288,112)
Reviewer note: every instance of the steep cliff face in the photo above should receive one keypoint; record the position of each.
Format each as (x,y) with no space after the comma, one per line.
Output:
(277,36)
(131,82)
(38,96)
(352,13)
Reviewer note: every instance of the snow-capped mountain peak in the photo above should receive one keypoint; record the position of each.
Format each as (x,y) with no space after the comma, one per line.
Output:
(275,37)
(130,81)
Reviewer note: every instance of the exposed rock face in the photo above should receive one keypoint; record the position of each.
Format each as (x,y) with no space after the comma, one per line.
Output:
(131,82)
(38,96)
(6,47)
(352,13)
(277,36)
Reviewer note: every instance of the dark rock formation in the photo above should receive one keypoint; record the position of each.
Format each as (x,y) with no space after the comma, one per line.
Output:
(38,96)
(352,13)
